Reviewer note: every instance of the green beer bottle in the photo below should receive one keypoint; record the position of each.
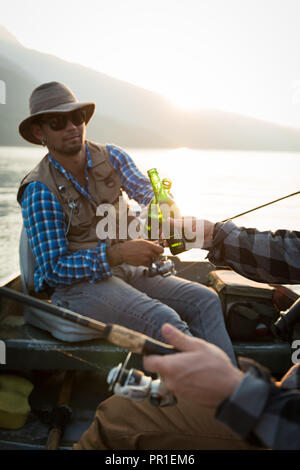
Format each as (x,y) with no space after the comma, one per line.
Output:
(161,192)
(154,221)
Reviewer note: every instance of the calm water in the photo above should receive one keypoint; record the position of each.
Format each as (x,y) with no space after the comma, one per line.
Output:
(209,184)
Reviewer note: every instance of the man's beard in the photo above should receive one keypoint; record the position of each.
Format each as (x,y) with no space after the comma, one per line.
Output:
(74,150)
(67,146)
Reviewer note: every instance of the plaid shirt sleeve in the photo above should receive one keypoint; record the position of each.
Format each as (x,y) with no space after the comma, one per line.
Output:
(271,257)
(264,412)
(45,225)
(134,183)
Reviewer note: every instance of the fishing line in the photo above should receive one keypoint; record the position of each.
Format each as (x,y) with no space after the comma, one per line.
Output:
(68,354)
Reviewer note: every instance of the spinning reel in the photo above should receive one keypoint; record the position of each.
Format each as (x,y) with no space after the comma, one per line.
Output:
(162,266)
(135,385)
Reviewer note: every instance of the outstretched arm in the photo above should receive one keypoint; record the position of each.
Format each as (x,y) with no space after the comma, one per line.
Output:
(263,256)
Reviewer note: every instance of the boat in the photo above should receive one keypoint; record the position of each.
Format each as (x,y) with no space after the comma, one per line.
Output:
(46,362)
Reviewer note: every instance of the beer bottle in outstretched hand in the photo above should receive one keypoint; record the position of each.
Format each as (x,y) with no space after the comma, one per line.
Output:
(163,207)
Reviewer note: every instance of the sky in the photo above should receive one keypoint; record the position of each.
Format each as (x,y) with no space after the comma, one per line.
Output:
(235,55)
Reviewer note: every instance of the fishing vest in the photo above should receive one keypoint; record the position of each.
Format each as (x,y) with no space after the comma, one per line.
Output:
(80,212)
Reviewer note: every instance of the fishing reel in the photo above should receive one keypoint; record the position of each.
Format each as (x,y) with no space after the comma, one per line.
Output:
(135,385)
(162,266)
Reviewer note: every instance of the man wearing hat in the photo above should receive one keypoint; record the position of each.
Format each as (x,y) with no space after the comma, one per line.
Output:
(103,279)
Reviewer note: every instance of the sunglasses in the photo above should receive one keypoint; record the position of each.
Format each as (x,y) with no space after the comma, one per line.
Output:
(57,122)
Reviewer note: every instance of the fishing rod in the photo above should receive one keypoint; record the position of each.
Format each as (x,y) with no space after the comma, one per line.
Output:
(259,207)
(131,384)
(118,335)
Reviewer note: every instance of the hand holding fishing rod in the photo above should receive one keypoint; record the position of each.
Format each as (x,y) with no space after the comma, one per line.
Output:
(135,385)
(201,374)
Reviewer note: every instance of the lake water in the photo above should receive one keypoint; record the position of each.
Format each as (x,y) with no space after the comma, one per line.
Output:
(210,184)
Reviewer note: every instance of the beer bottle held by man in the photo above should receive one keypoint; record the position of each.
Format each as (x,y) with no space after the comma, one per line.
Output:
(161,208)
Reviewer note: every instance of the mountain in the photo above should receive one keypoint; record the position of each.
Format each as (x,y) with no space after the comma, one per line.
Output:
(127,115)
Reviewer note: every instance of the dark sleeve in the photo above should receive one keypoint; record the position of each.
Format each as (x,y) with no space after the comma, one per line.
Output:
(262,410)
(272,257)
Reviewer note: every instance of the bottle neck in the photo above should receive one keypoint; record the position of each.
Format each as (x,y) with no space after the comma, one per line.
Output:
(160,193)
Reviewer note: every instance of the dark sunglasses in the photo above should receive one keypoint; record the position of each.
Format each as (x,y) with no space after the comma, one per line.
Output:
(58,122)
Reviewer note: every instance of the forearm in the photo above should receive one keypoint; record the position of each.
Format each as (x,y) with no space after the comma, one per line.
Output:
(262,409)
(90,264)
(261,256)
(114,255)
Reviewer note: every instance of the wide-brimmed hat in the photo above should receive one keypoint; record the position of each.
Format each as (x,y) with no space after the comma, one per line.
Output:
(52,97)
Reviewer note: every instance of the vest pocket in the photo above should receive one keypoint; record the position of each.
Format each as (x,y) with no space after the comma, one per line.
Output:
(103,170)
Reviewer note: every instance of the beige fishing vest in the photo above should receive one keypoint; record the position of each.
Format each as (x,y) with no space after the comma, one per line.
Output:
(81,217)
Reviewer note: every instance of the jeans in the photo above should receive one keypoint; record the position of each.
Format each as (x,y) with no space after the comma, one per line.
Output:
(132,299)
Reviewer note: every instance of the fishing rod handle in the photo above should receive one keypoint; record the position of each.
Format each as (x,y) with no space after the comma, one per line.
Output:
(116,334)
(136,342)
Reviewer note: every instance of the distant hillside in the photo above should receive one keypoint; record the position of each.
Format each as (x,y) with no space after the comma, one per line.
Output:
(127,115)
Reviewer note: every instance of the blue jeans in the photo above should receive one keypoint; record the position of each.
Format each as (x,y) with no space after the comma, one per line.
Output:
(130,298)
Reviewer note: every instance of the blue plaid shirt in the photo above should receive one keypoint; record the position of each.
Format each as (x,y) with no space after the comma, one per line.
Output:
(46,225)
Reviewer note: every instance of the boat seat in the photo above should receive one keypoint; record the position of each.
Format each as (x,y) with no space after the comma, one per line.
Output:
(59,328)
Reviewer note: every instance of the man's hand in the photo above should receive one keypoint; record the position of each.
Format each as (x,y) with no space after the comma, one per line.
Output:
(140,252)
(201,374)
(197,232)
(135,252)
